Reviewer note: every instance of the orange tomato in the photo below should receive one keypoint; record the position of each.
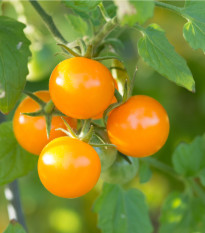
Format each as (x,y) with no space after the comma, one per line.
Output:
(139,127)
(81,88)
(114,100)
(68,167)
(30,131)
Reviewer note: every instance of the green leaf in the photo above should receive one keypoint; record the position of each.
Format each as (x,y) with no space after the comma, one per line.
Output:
(194,29)
(14,53)
(156,50)
(78,26)
(180,214)
(14,227)
(131,12)
(145,172)
(81,5)
(122,211)
(188,159)
(14,160)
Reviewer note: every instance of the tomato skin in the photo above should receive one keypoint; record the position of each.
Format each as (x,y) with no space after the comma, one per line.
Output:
(68,167)
(30,131)
(121,171)
(81,88)
(139,127)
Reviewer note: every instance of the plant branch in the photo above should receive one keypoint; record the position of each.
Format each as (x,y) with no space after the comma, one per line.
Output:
(107,28)
(48,21)
(163,167)
(168,6)
(197,189)
(14,203)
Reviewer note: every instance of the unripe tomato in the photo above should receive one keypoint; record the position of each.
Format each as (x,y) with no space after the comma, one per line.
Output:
(68,167)
(121,171)
(81,88)
(107,154)
(139,127)
(30,131)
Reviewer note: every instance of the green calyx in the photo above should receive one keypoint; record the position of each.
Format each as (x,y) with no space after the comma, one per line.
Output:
(47,109)
(87,132)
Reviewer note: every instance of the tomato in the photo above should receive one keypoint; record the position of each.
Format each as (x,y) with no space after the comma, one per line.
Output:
(139,127)
(81,88)
(114,100)
(107,154)
(30,131)
(121,171)
(68,167)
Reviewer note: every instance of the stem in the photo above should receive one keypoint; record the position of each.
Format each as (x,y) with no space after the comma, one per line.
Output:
(104,12)
(197,188)
(163,167)
(85,128)
(89,51)
(168,6)
(48,21)
(107,28)
(118,96)
(49,107)
(14,204)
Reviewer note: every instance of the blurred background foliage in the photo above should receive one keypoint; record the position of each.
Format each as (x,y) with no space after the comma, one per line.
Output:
(46,213)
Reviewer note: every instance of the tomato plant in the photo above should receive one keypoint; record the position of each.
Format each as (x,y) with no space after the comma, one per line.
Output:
(107,123)
(68,167)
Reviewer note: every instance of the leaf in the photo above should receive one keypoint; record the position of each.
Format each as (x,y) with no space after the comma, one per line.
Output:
(78,26)
(145,172)
(155,49)
(180,214)
(81,5)
(14,227)
(188,159)
(14,53)
(14,160)
(122,211)
(131,12)
(194,29)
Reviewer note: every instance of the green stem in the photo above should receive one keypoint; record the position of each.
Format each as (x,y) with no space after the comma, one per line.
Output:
(118,96)
(104,12)
(89,51)
(168,6)
(198,189)
(48,21)
(85,128)
(49,107)
(107,28)
(69,50)
(163,167)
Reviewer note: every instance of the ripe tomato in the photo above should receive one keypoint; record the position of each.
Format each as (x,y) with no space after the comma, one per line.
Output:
(81,88)
(107,154)
(139,127)
(121,171)
(114,100)
(68,167)
(30,131)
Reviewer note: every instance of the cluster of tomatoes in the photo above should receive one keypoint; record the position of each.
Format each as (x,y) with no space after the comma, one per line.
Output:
(82,89)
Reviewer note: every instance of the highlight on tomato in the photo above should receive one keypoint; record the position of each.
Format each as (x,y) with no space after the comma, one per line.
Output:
(68,167)
(30,131)
(81,88)
(139,127)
